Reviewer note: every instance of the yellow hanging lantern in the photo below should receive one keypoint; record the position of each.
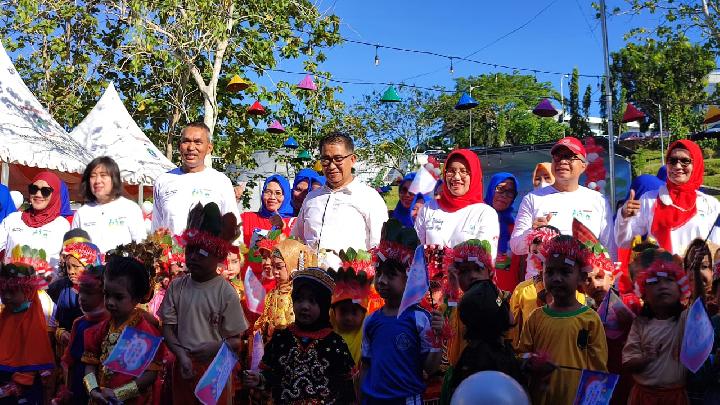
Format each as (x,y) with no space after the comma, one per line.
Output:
(237,84)
(317,166)
(141,107)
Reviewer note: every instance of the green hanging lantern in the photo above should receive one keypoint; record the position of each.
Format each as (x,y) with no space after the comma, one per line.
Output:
(304,155)
(390,95)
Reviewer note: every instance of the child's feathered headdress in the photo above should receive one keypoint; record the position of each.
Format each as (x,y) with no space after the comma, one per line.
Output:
(172,249)
(599,257)
(541,235)
(656,263)
(87,253)
(22,270)
(354,277)
(396,242)
(563,245)
(209,230)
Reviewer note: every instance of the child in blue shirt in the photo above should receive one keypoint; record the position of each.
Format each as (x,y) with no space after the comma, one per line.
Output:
(397,349)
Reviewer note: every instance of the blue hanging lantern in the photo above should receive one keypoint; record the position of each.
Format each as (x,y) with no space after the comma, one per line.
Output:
(466,102)
(291,143)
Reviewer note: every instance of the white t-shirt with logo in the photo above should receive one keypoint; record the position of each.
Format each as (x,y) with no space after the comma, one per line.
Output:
(699,226)
(49,237)
(477,221)
(109,225)
(176,193)
(588,206)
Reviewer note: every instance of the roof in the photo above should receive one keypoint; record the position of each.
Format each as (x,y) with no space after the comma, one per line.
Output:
(109,130)
(31,137)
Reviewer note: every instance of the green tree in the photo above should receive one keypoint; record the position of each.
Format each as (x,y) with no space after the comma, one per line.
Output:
(669,73)
(503,115)
(587,102)
(578,122)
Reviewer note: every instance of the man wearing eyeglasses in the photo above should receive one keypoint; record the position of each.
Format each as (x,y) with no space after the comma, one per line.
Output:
(565,200)
(178,190)
(344,212)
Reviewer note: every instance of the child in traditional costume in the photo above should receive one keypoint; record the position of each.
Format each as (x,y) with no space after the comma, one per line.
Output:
(307,363)
(232,268)
(25,351)
(126,283)
(201,311)
(92,304)
(288,256)
(652,351)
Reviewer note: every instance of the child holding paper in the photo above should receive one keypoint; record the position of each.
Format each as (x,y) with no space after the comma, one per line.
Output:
(127,283)
(397,347)
(307,363)
(652,351)
(565,336)
(202,310)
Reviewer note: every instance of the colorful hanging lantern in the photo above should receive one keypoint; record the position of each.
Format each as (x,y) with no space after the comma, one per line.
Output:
(256,109)
(466,102)
(276,128)
(307,83)
(318,166)
(141,107)
(291,143)
(545,109)
(712,115)
(237,84)
(632,114)
(390,95)
(304,155)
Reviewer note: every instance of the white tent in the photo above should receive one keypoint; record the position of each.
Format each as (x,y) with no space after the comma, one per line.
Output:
(109,130)
(30,136)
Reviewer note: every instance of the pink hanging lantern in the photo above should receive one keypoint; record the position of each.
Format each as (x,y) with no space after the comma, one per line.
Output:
(307,83)
(276,128)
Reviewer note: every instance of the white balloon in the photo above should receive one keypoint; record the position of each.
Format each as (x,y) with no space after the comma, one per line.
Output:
(592,185)
(147,207)
(489,388)
(148,226)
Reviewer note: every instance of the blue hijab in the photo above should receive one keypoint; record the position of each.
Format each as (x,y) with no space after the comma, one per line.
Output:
(644,183)
(505,216)
(309,175)
(65,210)
(402,214)
(662,173)
(285,210)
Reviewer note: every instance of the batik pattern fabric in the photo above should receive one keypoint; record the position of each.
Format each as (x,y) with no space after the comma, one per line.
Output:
(278,312)
(303,368)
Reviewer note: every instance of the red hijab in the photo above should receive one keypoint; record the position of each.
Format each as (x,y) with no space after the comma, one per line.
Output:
(668,217)
(36,219)
(451,203)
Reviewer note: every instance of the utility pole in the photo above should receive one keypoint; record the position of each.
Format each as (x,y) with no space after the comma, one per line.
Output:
(608,103)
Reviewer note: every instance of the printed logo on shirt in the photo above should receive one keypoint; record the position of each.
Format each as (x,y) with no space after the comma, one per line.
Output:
(201,192)
(89,224)
(40,232)
(120,221)
(582,215)
(402,342)
(16,229)
(435,223)
(215,319)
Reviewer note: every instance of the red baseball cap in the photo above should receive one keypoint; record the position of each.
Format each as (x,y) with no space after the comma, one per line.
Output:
(571,143)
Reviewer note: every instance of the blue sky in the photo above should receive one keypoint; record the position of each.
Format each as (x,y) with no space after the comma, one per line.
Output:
(564,35)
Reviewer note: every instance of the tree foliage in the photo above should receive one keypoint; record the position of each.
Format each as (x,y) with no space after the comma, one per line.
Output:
(578,122)
(504,114)
(669,73)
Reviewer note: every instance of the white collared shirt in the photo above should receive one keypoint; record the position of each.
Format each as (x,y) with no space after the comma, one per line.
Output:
(115,223)
(49,237)
(476,221)
(585,205)
(697,227)
(352,216)
(176,193)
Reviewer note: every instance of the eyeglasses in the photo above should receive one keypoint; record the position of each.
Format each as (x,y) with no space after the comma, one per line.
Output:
(509,193)
(44,191)
(684,162)
(325,160)
(568,158)
(270,193)
(453,172)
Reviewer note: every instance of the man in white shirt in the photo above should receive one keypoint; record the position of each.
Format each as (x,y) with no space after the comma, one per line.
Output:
(560,203)
(178,190)
(344,212)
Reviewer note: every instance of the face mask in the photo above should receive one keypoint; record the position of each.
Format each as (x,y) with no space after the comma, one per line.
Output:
(542,184)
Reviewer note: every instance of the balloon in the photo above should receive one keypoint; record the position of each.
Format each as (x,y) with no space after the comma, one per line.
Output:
(148,226)
(489,387)
(147,207)
(592,156)
(592,185)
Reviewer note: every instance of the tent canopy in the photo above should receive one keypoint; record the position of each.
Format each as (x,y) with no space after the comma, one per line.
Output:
(109,130)
(31,137)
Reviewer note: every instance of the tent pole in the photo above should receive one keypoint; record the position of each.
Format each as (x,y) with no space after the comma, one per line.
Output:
(140,193)
(5,176)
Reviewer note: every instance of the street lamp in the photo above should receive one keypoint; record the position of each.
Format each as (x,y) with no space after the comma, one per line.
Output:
(562,98)
(662,142)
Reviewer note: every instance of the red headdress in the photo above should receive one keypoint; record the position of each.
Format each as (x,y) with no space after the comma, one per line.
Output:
(661,264)
(354,278)
(541,235)
(599,256)
(210,231)
(87,253)
(172,249)
(396,242)
(571,248)
(21,273)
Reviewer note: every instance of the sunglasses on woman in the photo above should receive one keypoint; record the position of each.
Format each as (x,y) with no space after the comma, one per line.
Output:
(44,191)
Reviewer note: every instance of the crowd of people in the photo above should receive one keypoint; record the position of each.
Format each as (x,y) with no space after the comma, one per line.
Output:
(314,292)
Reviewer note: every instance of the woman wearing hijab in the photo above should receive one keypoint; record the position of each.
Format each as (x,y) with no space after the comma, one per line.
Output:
(40,226)
(306,180)
(542,176)
(407,202)
(678,212)
(500,195)
(459,214)
(275,201)
(109,218)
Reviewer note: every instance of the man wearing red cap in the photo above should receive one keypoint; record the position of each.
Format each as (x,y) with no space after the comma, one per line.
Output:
(559,203)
